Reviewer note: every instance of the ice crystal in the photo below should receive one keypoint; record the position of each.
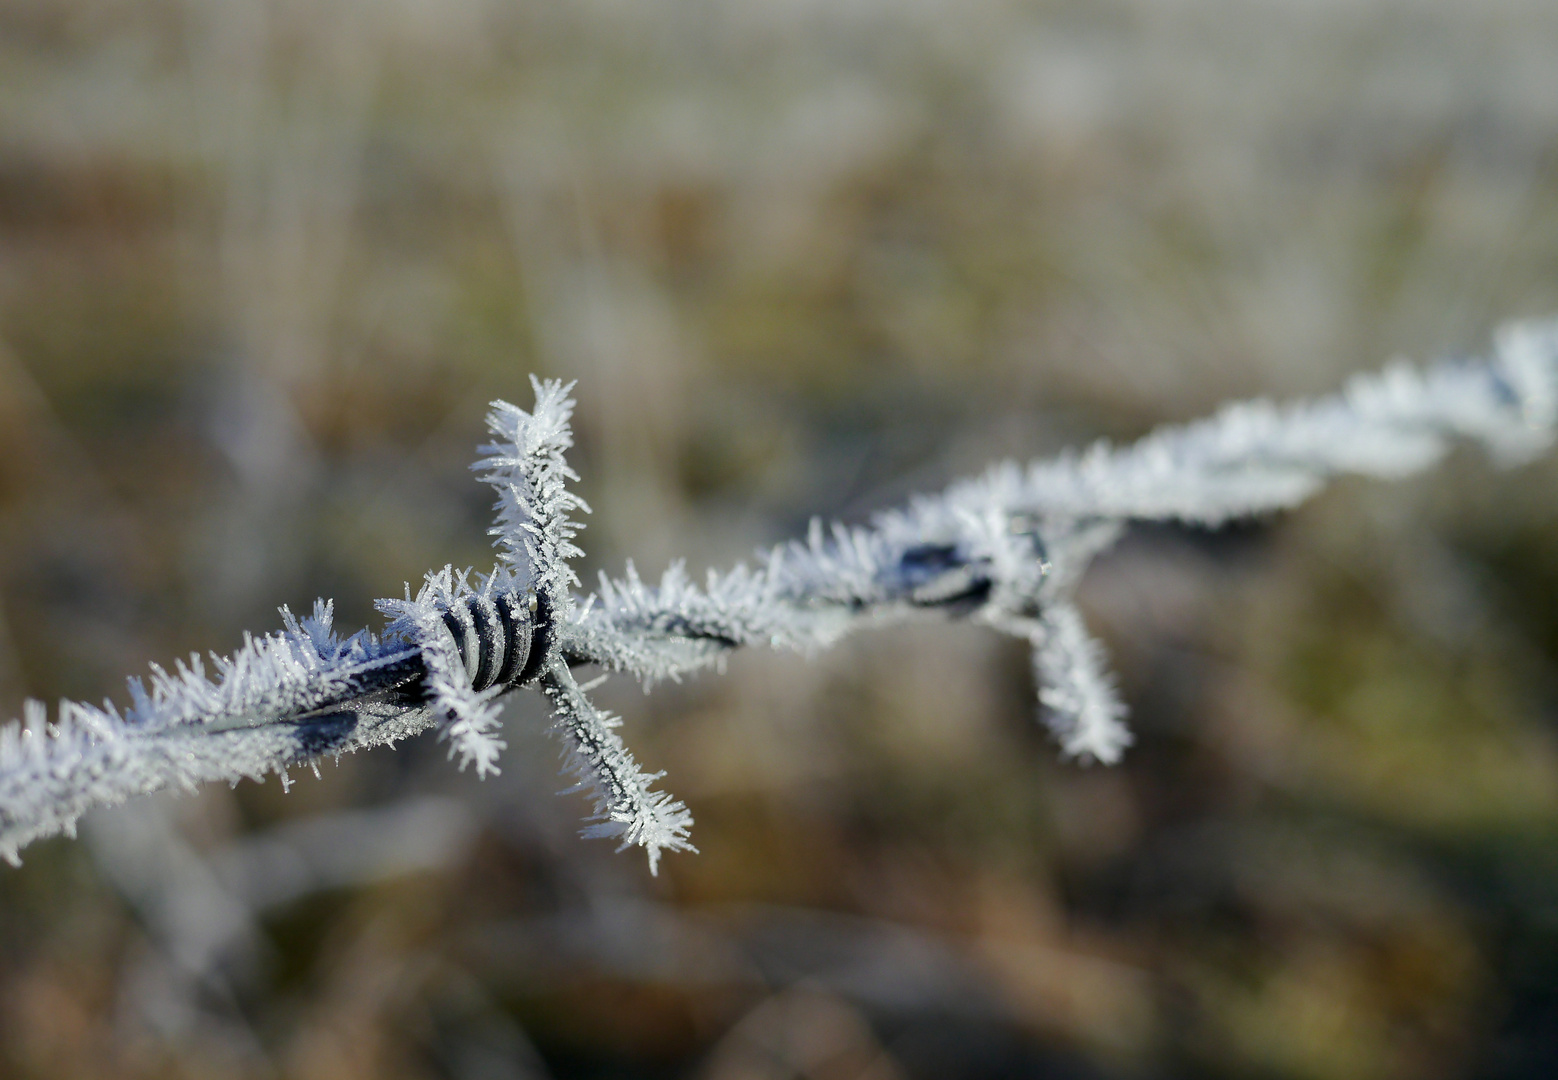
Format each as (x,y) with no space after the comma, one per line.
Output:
(1005,549)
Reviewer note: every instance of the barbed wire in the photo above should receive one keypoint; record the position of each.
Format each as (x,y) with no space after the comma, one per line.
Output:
(1005,549)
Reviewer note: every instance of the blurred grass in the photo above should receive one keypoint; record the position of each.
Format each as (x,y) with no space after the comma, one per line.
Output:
(262,263)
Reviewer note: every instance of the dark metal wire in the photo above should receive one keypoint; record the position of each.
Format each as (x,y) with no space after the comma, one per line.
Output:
(505,640)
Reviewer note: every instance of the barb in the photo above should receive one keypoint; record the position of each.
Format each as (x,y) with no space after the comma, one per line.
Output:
(625,806)
(1005,549)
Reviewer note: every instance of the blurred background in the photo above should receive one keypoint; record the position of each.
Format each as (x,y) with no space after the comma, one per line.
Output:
(262,263)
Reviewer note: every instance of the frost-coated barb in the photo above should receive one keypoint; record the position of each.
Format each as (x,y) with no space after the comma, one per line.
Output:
(1005,549)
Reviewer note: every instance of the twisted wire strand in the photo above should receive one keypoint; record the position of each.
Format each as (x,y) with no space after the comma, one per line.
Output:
(1005,549)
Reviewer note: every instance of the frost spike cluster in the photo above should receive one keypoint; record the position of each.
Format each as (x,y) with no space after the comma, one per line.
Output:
(1005,549)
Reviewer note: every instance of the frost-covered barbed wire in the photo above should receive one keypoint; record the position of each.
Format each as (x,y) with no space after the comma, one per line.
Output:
(1005,549)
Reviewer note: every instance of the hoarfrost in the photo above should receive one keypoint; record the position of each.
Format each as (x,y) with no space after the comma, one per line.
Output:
(1006,549)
